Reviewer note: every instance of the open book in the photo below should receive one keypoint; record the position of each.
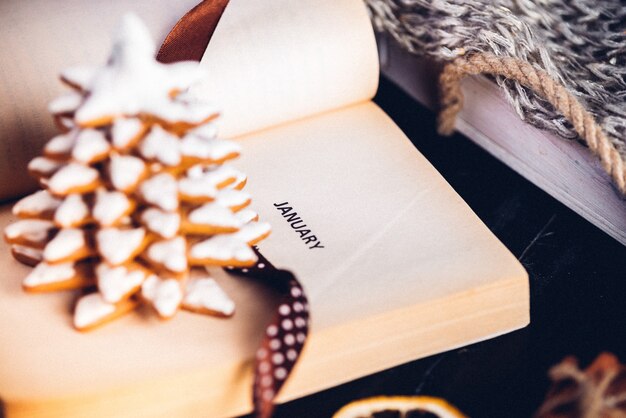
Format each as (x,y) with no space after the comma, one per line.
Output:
(564,169)
(401,267)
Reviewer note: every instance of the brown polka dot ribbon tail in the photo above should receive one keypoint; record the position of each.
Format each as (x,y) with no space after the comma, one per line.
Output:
(285,336)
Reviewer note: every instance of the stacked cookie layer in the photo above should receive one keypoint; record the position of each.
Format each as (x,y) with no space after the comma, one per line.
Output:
(137,191)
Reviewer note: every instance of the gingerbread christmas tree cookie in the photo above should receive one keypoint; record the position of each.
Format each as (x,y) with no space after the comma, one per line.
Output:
(137,191)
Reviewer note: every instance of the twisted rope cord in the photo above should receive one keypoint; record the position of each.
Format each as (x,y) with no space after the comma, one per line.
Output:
(451,99)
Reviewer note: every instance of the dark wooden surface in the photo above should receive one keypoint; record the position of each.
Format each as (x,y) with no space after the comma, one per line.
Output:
(577,282)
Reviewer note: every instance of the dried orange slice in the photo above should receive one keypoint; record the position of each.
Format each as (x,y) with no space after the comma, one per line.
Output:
(399,407)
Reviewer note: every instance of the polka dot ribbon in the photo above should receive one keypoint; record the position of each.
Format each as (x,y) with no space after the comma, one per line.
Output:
(284,337)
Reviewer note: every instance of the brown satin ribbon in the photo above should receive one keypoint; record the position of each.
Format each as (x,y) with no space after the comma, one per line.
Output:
(189,38)
(286,334)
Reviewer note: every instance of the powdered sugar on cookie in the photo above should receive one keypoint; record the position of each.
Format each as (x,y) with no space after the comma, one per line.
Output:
(204,295)
(61,145)
(91,309)
(91,145)
(161,146)
(132,83)
(253,232)
(165,224)
(65,245)
(221,176)
(197,189)
(118,246)
(247,215)
(39,204)
(164,294)
(171,254)
(66,103)
(161,191)
(200,148)
(137,195)
(233,199)
(43,166)
(126,171)
(45,273)
(73,211)
(32,231)
(116,283)
(110,207)
(72,178)
(125,132)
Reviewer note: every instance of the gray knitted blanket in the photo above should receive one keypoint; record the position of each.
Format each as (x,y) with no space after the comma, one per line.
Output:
(580,43)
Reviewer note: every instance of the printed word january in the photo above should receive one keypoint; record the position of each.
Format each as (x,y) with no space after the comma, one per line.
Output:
(298,225)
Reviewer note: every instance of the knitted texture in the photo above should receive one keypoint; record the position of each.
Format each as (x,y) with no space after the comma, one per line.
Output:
(581,45)
(451,98)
